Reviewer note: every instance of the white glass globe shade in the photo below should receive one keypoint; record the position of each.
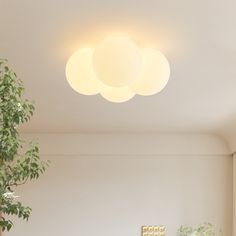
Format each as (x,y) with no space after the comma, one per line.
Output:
(155,74)
(117,62)
(80,74)
(117,95)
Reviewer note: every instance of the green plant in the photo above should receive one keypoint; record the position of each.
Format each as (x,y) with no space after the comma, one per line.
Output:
(16,166)
(205,229)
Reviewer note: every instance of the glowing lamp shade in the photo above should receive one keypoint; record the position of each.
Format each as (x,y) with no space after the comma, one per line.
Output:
(117,69)
(155,74)
(79,72)
(117,95)
(117,61)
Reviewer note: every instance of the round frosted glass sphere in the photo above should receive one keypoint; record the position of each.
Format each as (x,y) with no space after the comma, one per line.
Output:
(117,95)
(80,74)
(155,74)
(117,62)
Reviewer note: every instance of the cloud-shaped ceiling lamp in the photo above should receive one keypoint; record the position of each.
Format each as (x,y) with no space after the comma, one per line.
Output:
(117,69)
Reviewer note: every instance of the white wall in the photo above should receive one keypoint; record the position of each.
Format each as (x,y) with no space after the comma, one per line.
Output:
(115,194)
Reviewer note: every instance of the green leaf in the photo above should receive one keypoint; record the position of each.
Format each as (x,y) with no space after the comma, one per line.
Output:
(15,169)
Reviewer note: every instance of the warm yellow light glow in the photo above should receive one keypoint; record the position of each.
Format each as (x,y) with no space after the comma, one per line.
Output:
(117,95)
(117,69)
(155,75)
(117,61)
(80,74)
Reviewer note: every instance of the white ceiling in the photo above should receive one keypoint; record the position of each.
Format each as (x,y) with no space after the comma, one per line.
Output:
(198,38)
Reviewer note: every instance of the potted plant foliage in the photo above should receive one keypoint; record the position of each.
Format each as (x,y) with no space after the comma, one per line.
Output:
(16,166)
(205,229)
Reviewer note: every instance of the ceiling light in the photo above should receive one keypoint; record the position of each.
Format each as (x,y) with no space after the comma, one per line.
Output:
(117,62)
(80,74)
(117,69)
(155,73)
(117,94)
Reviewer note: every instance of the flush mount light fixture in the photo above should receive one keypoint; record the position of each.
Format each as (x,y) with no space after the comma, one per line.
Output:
(117,69)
